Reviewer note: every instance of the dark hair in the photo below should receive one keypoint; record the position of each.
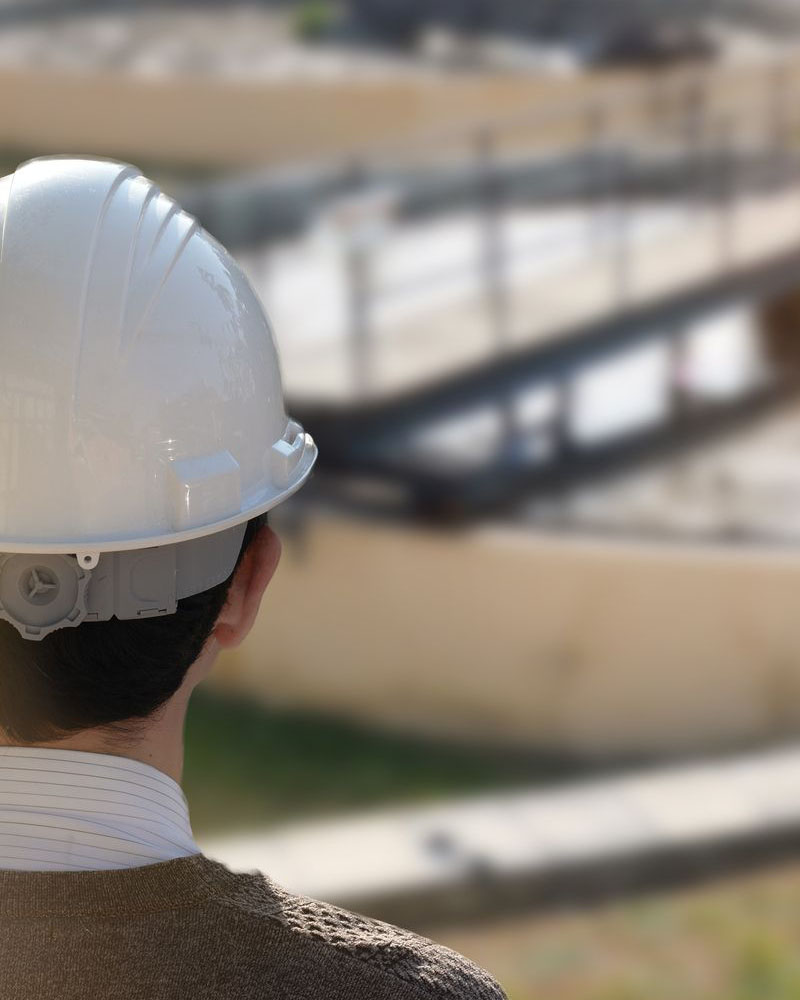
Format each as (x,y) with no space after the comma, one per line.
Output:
(102,673)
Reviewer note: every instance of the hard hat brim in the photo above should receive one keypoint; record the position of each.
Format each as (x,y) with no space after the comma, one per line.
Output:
(96,544)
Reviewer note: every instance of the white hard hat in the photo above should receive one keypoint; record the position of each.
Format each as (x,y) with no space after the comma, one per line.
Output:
(140,399)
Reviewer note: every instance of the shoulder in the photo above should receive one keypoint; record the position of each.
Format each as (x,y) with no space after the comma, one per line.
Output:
(397,956)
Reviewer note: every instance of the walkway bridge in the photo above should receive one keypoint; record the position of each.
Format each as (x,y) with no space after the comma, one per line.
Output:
(436,323)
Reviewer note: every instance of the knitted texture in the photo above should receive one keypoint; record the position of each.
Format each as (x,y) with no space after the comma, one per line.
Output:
(404,956)
(190,929)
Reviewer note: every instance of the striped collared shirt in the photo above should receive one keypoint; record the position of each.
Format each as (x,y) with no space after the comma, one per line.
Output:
(67,810)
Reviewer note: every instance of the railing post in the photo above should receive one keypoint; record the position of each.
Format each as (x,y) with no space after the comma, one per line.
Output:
(622,256)
(726,193)
(493,255)
(678,352)
(563,444)
(694,133)
(494,264)
(594,164)
(360,298)
(778,122)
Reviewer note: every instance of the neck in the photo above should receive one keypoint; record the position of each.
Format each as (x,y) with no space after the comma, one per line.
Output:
(157,740)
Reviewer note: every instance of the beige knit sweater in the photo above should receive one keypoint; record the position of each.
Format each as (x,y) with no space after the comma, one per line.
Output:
(191,929)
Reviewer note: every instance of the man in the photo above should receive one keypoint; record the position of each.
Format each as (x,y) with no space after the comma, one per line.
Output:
(142,441)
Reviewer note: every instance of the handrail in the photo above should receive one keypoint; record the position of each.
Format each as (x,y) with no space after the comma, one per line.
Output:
(707,132)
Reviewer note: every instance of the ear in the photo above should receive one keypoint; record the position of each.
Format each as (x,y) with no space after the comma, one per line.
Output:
(252,576)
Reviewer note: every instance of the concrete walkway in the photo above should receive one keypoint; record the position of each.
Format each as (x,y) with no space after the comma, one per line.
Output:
(412,863)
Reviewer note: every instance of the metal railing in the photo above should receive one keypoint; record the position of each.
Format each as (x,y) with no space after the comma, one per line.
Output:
(727,151)
(704,141)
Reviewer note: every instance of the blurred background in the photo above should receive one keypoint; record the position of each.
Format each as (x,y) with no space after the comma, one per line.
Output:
(528,679)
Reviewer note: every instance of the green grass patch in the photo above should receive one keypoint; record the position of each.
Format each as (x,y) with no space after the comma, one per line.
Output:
(248,766)
(315,19)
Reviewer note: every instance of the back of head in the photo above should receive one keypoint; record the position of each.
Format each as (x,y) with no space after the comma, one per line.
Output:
(143,438)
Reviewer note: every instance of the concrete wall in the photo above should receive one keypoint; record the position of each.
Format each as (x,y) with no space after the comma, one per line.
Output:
(198,120)
(499,634)
(203,121)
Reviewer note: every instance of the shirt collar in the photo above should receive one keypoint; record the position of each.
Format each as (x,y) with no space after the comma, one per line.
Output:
(73,810)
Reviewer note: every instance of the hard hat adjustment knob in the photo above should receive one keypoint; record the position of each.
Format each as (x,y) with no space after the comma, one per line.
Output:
(40,593)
